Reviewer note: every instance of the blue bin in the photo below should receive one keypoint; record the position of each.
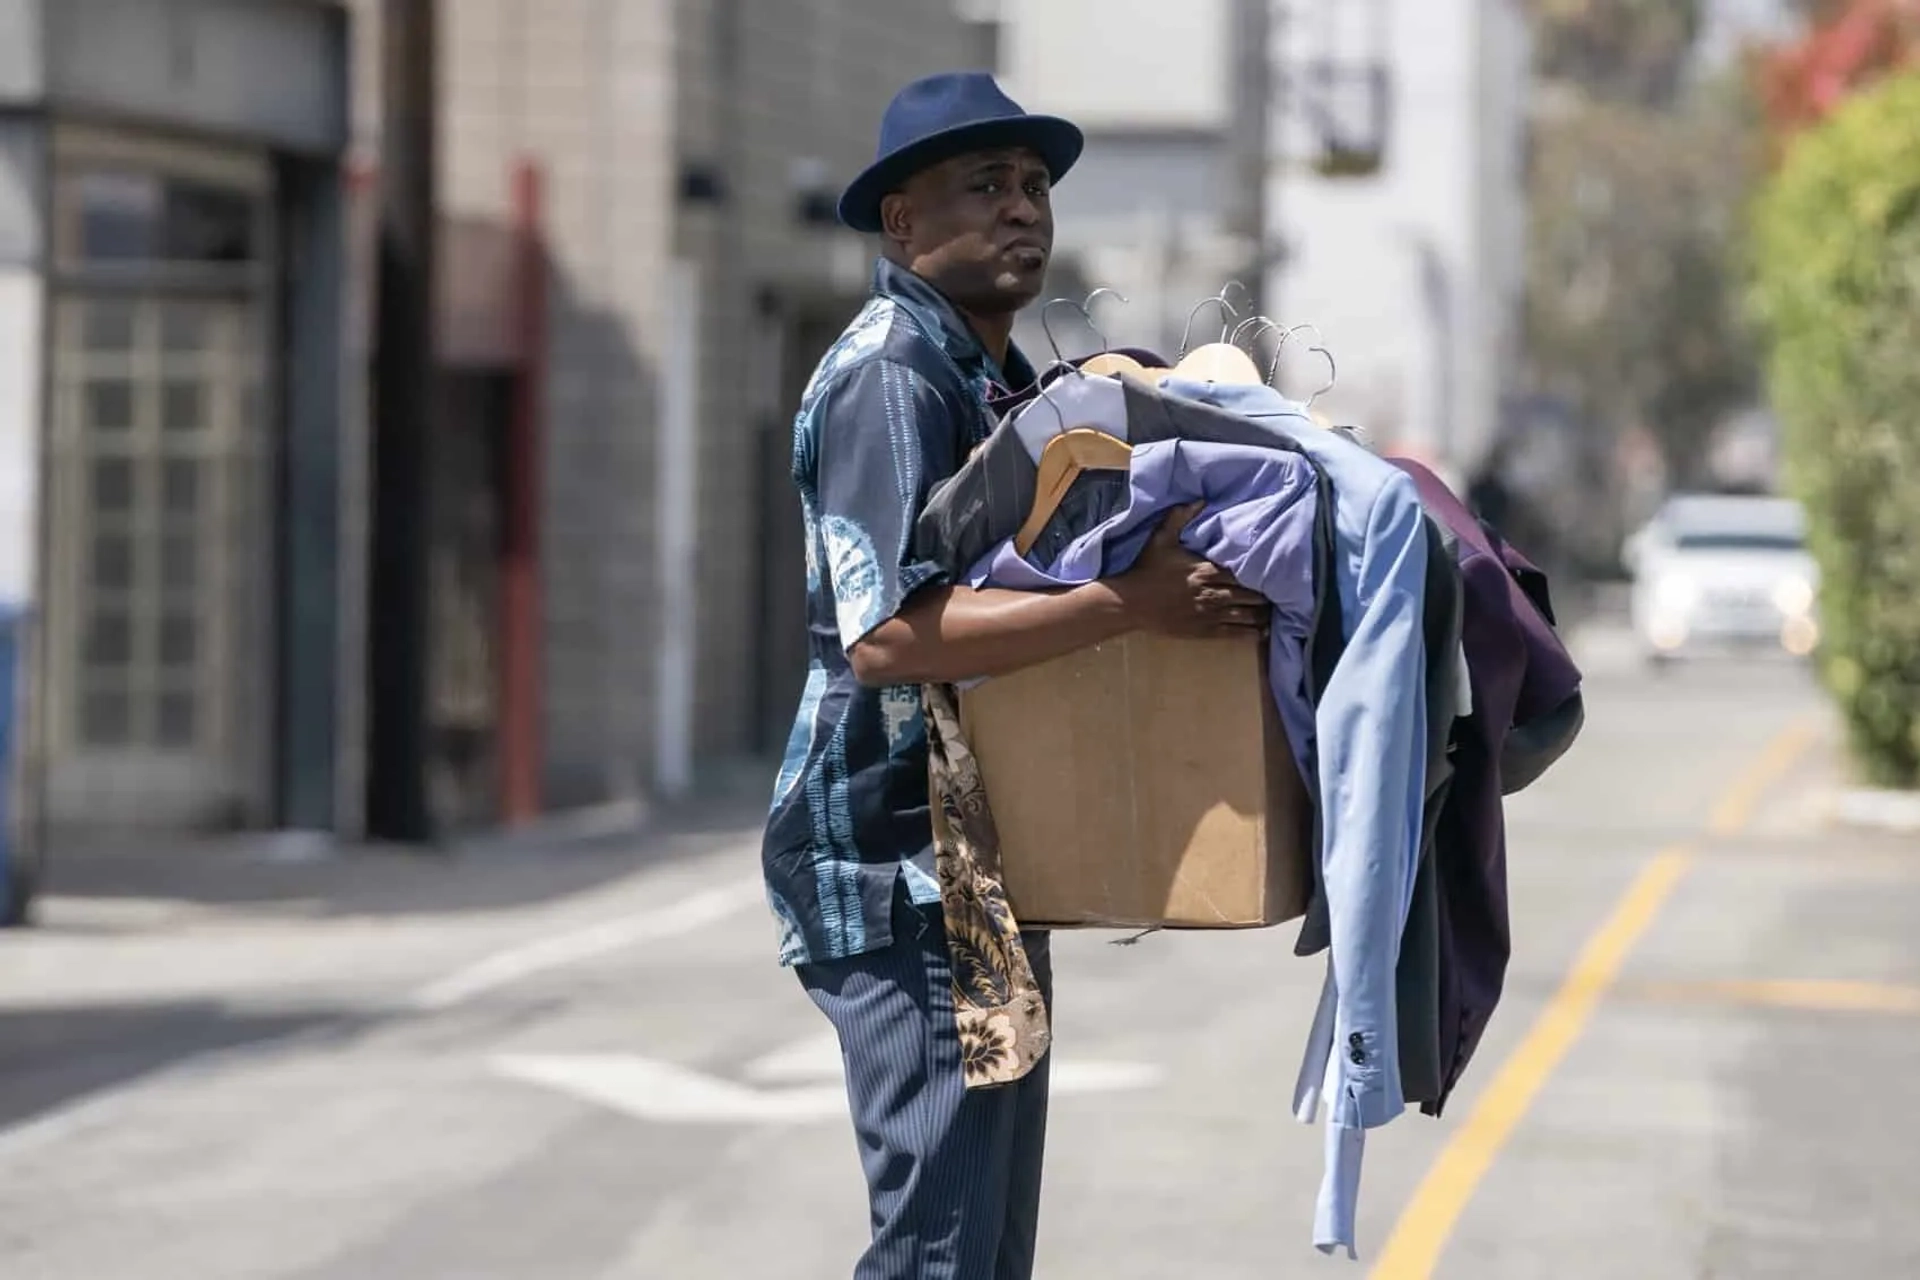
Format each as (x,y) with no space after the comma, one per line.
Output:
(17,870)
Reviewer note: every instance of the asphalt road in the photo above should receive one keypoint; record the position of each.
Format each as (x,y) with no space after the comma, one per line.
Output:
(1704,1067)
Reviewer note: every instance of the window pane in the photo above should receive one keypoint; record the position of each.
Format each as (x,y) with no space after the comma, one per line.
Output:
(205,223)
(105,718)
(177,719)
(109,405)
(180,485)
(177,567)
(109,639)
(118,213)
(112,486)
(179,634)
(107,327)
(184,330)
(112,562)
(183,405)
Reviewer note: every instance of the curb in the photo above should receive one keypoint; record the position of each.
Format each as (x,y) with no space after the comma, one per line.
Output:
(1895,811)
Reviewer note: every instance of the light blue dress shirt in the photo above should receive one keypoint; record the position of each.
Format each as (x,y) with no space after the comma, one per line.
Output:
(1370,731)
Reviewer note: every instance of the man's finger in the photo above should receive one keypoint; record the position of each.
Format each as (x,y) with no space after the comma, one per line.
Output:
(1175,522)
(1232,596)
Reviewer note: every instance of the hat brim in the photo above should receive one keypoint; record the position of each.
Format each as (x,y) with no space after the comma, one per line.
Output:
(1058,142)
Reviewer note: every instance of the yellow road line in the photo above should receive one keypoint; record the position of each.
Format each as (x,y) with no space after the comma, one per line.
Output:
(1812,996)
(1414,1248)
(1737,805)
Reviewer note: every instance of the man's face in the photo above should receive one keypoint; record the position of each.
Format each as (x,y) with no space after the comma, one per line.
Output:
(979,226)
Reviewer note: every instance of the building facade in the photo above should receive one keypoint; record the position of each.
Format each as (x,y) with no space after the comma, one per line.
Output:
(688,153)
(170,226)
(1411,271)
(188,200)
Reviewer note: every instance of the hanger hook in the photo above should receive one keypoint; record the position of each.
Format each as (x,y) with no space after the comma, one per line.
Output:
(1273,369)
(1086,313)
(1186,334)
(1086,309)
(1041,376)
(1333,373)
(1046,327)
(1227,288)
(1242,327)
(1333,369)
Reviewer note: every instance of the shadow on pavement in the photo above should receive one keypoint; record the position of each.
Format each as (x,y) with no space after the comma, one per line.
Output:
(300,876)
(50,1057)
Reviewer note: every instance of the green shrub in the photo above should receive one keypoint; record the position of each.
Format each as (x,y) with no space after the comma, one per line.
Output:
(1836,257)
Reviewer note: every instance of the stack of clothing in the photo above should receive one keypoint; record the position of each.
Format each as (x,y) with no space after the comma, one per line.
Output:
(1382,582)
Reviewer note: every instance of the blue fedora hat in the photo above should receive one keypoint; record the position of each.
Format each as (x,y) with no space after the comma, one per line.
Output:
(943,116)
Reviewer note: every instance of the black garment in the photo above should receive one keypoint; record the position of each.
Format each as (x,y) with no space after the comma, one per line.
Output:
(1417,976)
(1520,674)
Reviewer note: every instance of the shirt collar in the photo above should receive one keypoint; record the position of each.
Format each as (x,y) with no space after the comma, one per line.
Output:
(944,323)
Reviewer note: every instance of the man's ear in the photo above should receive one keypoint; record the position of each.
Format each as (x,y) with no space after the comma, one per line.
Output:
(896,217)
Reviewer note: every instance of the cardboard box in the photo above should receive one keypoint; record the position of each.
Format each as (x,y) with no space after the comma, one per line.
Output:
(1144,783)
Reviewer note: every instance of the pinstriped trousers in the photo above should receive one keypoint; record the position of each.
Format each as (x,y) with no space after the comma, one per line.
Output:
(953,1175)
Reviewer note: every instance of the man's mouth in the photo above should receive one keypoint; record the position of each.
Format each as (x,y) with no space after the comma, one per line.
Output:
(1028,255)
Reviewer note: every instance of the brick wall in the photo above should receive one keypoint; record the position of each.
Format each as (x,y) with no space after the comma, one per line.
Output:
(609,95)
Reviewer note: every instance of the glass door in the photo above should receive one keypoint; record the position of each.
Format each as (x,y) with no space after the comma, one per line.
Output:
(160,531)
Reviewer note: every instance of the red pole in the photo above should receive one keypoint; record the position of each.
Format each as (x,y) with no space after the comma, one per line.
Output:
(520,586)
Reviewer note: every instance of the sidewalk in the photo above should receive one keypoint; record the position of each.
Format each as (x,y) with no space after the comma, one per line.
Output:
(298,875)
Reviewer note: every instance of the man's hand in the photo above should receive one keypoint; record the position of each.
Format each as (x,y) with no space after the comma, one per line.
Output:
(1174,592)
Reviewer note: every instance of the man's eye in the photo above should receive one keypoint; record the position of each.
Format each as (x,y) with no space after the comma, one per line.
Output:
(991,187)
(1038,190)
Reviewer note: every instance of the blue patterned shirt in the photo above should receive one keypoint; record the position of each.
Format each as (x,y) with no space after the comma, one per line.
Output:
(892,410)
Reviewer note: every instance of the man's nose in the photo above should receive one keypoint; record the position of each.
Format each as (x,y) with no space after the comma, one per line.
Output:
(1024,211)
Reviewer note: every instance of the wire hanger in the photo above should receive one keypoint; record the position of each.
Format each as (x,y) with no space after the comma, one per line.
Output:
(1219,361)
(1253,346)
(1076,400)
(1108,361)
(1333,369)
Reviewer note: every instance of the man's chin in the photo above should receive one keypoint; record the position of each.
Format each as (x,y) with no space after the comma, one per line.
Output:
(1020,286)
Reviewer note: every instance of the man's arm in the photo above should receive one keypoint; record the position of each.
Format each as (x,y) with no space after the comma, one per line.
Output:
(956,633)
(872,442)
(944,634)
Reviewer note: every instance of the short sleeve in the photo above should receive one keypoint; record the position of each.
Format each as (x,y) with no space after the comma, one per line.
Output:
(883,436)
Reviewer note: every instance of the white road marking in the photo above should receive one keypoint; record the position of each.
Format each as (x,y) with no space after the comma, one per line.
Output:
(504,968)
(798,1084)
(661,1091)
(815,1058)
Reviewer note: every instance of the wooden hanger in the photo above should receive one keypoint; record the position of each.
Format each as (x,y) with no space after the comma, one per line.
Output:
(1219,362)
(1065,457)
(1110,362)
(1073,400)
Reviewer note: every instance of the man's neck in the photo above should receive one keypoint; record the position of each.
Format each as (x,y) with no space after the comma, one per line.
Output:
(995,333)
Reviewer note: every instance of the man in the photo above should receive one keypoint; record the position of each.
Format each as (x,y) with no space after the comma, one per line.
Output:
(959,195)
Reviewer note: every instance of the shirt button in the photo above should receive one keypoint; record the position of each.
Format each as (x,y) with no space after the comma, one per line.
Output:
(1358,1055)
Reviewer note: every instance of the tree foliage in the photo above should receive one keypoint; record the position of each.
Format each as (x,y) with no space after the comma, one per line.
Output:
(1635,188)
(1632,310)
(1837,286)
(1848,44)
(1616,50)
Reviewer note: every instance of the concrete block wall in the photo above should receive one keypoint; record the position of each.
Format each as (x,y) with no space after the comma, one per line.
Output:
(800,97)
(584,88)
(611,96)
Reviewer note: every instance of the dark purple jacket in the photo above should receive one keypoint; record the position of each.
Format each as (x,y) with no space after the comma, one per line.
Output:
(1526,713)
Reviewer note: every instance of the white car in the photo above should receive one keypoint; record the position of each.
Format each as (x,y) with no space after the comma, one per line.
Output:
(1723,571)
